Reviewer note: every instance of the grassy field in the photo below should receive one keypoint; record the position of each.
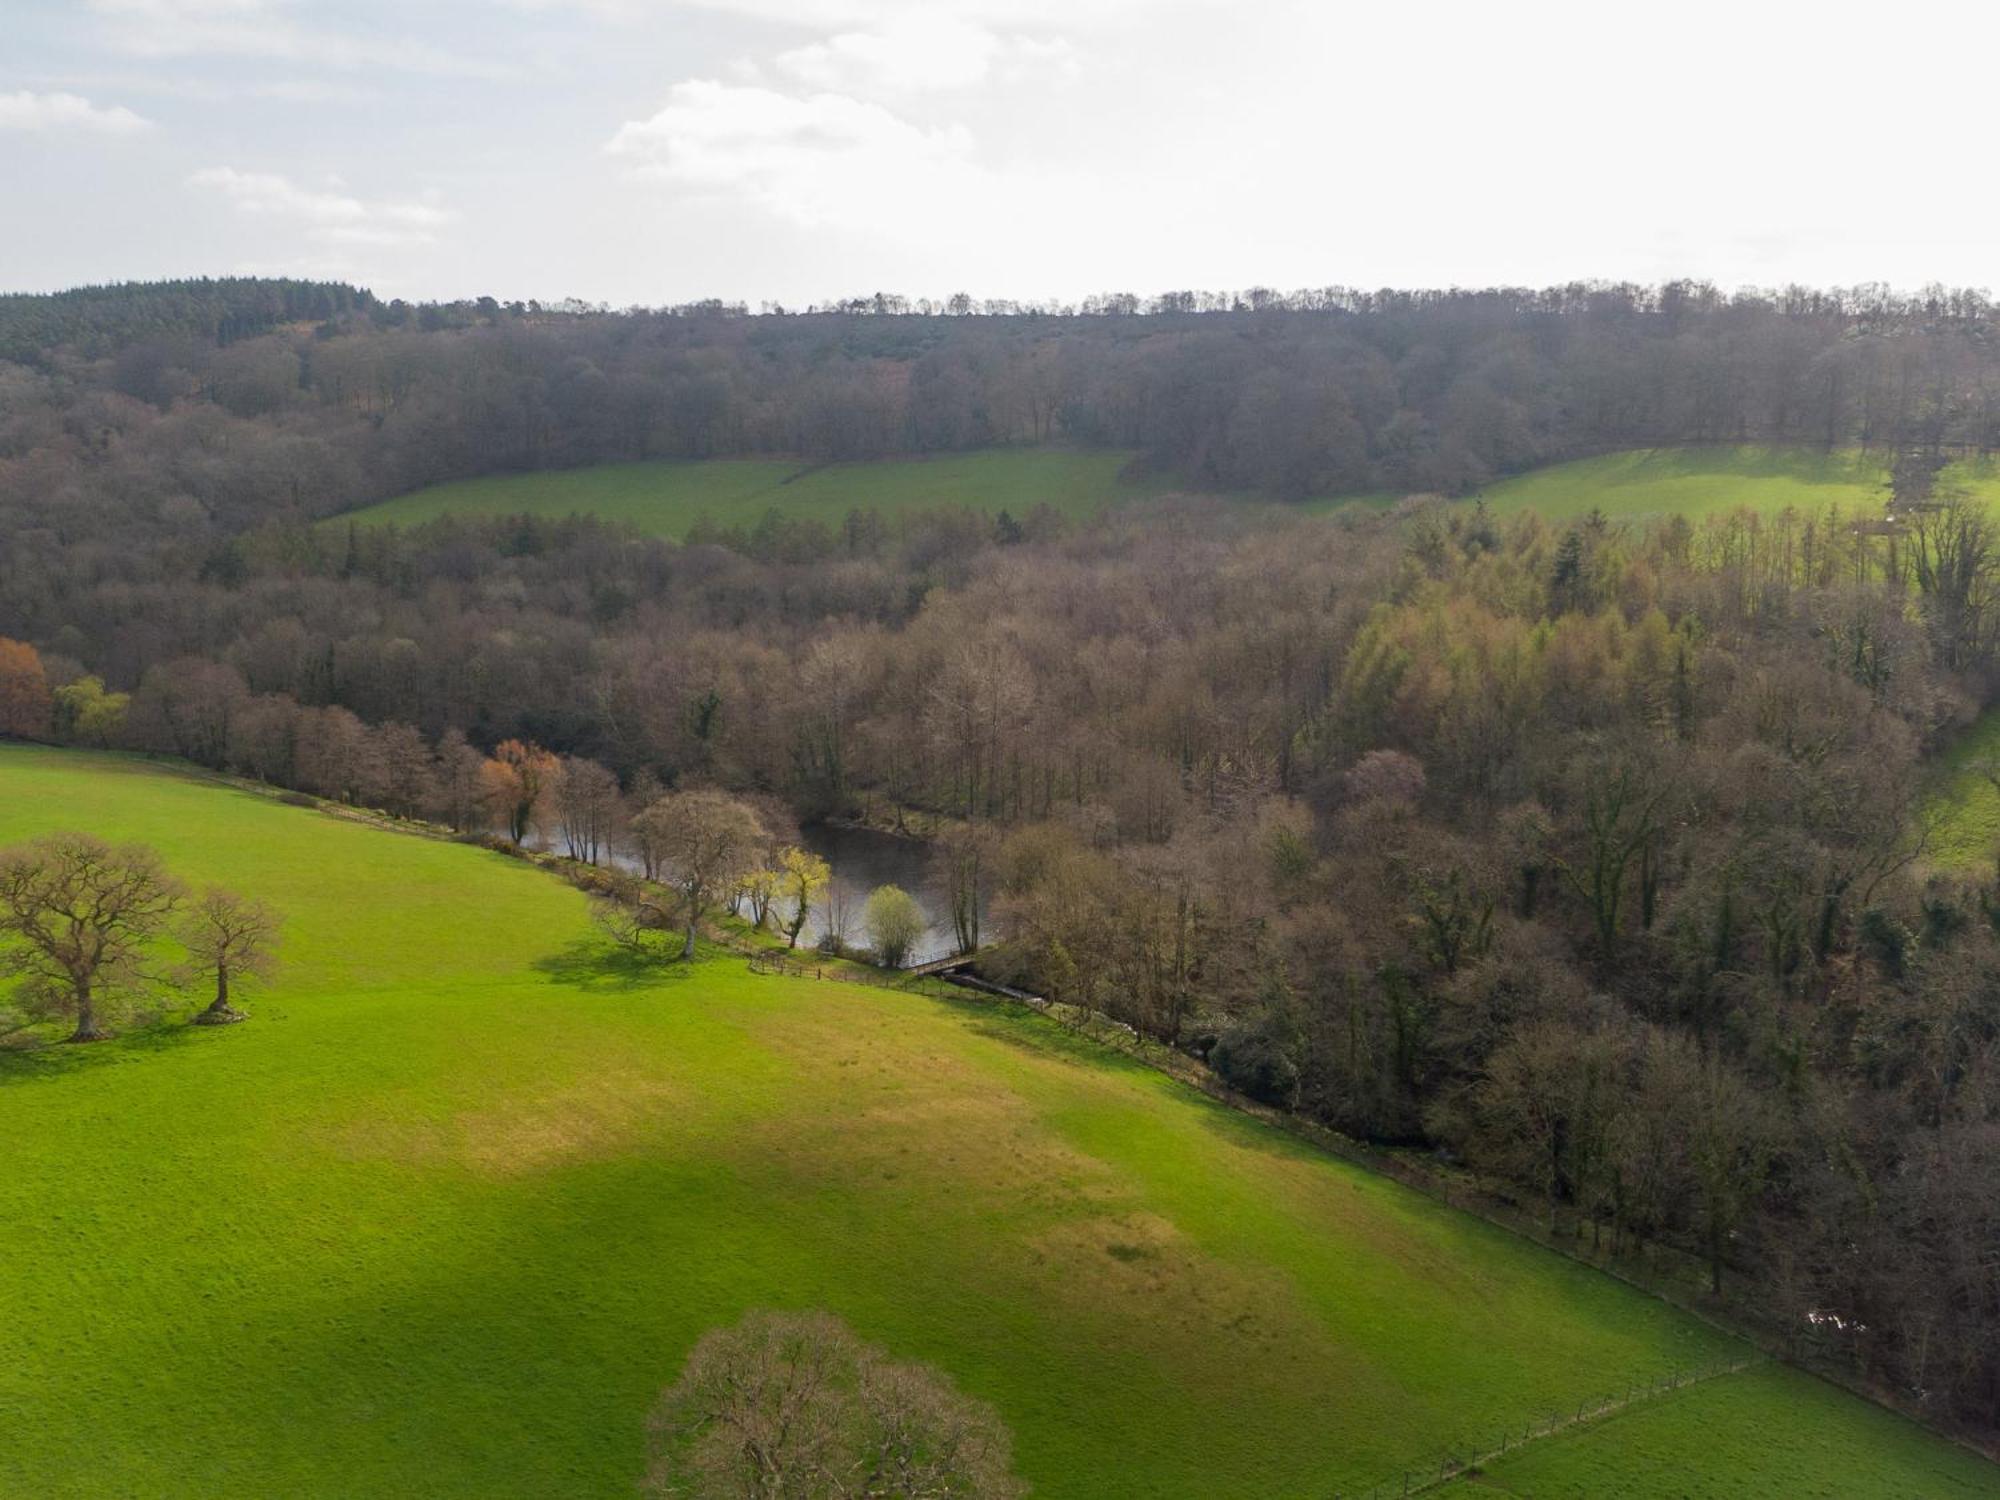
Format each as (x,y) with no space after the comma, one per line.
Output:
(1655,482)
(668,498)
(1966,838)
(1705,1443)
(445,1215)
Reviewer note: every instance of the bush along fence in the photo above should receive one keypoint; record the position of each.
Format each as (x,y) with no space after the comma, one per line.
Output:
(1467,1460)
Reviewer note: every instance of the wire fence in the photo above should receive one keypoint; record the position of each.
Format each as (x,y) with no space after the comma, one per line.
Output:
(814,966)
(1468,1459)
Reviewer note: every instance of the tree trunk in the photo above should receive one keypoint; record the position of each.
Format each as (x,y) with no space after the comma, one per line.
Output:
(687,948)
(220,1012)
(87,1029)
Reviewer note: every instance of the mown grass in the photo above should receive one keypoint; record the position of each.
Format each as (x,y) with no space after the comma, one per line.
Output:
(667,499)
(1654,482)
(1735,1436)
(444,1216)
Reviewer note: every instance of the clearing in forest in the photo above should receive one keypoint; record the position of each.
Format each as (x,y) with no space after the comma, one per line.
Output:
(1649,483)
(444,1216)
(668,498)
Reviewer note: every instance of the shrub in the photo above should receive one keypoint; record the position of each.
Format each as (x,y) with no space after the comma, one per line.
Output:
(1253,1059)
(894,922)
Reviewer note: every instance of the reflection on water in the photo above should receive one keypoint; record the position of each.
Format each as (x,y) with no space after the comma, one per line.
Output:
(862,859)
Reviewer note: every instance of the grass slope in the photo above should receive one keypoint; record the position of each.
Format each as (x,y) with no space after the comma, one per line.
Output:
(1653,482)
(446,1214)
(668,498)
(1708,1441)
(1965,838)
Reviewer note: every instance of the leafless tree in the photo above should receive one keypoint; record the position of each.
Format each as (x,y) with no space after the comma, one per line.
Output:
(80,914)
(792,1406)
(230,938)
(586,804)
(964,860)
(706,841)
(459,789)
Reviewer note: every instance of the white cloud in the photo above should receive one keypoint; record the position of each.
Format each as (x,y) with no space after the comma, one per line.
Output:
(267,29)
(329,217)
(923,52)
(880,14)
(819,159)
(920,54)
(30,111)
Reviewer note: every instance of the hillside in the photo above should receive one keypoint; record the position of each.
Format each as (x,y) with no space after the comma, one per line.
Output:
(444,1216)
(667,499)
(1648,483)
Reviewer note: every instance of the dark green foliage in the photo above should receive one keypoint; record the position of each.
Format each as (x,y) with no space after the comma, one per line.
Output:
(1260,1057)
(94,321)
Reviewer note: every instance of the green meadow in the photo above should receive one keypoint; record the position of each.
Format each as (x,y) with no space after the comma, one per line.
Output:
(666,499)
(1647,483)
(445,1215)
(1964,805)
(1731,1437)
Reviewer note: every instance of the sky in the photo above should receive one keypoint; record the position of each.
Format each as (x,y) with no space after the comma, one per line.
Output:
(659,151)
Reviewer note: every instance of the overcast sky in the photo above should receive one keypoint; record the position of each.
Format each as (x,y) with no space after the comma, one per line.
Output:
(648,151)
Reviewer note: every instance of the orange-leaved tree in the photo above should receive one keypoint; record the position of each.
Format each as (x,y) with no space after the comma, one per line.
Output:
(515,777)
(24,691)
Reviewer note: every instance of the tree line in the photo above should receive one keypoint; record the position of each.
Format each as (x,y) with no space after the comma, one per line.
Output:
(187,411)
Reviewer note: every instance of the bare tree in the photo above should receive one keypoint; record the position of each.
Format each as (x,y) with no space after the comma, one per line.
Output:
(792,1406)
(1732,1134)
(232,938)
(406,774)
(459,788)
(706,841)
(839,908)
(964,856)
(586,799)
(80,914)
(1619,824)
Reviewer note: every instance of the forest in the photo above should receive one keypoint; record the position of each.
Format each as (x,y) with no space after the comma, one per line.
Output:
(1587,858)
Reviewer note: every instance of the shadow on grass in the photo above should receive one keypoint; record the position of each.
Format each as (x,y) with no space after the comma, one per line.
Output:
(598,968)
(46,1059)
(1026,1029)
